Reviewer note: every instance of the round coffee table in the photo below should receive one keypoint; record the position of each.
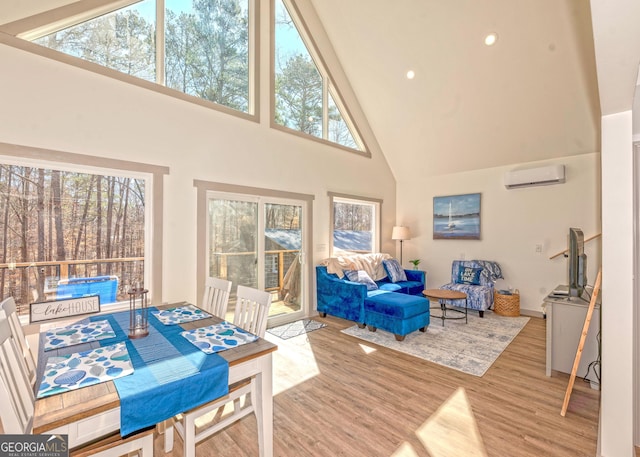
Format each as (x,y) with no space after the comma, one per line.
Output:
(442,295)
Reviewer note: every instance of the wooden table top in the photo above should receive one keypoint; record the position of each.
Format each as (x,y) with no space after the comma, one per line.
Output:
(444,294)
(71,406)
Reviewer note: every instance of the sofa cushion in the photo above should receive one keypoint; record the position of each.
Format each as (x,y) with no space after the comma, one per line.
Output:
(412,287)
(373,293)
(469,275)
(404,287)
(362,277)
(394,270)
(396,305)
(389,286)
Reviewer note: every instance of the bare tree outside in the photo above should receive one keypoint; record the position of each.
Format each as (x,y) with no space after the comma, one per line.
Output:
(52,222)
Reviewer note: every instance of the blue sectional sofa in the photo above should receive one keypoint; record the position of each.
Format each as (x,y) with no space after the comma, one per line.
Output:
(399,308)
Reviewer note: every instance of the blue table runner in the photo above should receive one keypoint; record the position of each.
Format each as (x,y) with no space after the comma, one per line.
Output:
(170,374)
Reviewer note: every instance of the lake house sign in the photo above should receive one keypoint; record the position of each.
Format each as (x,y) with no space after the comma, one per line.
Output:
(68,307)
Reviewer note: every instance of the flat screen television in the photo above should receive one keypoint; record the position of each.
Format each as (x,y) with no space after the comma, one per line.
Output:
(577,263)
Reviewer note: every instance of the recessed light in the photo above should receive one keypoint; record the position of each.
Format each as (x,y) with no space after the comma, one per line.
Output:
(491,39)
(411,74)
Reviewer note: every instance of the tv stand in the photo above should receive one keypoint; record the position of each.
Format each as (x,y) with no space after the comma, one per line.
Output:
(565,321)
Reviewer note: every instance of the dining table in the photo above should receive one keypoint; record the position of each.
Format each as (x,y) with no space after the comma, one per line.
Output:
(92,412)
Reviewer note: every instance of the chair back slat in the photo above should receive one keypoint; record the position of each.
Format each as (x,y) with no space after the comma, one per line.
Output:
(216,296)
(16,394)
(8,305)
(252,310)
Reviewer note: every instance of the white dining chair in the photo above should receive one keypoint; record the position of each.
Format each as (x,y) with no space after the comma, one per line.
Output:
(8,305)
(18,400)
(252,310)
(215,299)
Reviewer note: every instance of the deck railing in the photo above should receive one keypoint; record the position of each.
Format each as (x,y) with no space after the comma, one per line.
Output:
(239,267)
(29,282)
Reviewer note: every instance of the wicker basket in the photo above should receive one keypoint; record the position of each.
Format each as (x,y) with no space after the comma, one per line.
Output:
(506,305)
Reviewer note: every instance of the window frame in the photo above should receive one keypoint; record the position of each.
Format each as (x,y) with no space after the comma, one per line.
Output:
(328,86)
(205,189)
(359,200)
(18,34)
(152,174)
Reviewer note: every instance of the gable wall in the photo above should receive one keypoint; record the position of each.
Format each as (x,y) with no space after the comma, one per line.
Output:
(51,105)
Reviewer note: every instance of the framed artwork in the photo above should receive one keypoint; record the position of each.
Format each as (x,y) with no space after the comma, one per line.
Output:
(456,217)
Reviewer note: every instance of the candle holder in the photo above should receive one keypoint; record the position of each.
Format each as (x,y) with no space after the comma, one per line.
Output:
(138,313)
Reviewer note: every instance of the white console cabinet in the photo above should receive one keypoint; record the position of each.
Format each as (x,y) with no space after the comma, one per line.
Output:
(565,321)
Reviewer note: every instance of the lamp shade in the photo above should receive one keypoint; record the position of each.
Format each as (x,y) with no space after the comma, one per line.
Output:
(400,233)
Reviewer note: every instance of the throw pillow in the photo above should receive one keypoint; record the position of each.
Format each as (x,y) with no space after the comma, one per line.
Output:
(469,275)
(394,270)
(362,277)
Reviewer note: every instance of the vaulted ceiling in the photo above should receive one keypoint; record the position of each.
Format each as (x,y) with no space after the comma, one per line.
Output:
(531,96)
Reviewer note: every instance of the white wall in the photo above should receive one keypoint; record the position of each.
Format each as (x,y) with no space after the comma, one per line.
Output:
(51,105)
(616,412)
(513,222)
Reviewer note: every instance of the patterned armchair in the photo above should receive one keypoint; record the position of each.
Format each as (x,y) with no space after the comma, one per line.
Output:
(479,296)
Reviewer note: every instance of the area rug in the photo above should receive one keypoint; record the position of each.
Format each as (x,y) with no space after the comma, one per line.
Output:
(471,348)
(296,328)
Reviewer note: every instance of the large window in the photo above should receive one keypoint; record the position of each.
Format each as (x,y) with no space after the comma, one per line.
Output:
(69,229)
(205,54)
(61,230)
(305,99)
(355,224)
(205,51)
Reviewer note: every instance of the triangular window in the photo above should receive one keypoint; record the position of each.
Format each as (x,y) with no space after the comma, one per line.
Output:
(339,131)
(305,100)
(122,40)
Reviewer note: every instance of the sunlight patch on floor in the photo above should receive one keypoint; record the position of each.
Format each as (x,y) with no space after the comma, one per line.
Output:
(367,349)
(405,450)
(293,362)
(452,429)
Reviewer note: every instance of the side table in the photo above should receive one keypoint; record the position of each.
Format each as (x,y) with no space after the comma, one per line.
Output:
(442,295)
(506,305)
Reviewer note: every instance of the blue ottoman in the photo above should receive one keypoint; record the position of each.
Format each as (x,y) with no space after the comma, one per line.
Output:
(397,313)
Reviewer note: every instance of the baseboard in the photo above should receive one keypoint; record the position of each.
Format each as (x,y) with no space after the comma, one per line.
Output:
(531,313)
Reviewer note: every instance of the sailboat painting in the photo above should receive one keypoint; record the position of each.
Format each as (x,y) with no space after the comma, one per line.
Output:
(456,217)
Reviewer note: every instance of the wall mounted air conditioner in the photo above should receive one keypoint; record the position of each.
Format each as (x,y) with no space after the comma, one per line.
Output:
(541,176)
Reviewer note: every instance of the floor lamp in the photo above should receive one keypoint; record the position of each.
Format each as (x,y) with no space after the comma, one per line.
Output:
(400,233)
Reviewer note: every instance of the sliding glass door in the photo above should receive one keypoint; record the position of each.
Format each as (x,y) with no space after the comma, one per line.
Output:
(258,242)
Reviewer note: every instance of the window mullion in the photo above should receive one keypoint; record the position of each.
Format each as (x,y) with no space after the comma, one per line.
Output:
(160,40)
(325,106)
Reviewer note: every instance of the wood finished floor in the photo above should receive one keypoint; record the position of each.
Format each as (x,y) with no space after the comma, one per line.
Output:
(336,397)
